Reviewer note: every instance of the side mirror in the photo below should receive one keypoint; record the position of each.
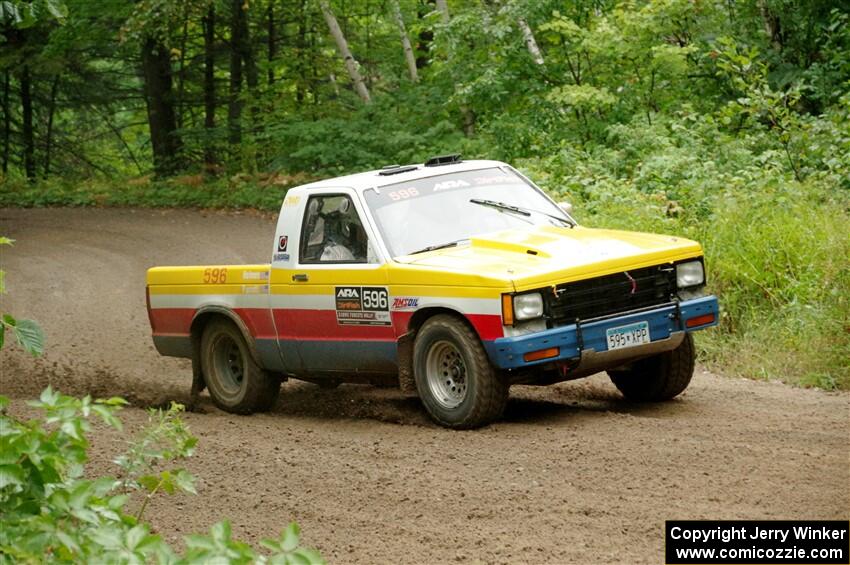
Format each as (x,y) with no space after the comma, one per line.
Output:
(566,207)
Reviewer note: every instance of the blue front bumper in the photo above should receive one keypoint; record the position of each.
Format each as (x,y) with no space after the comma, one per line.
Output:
(571,340)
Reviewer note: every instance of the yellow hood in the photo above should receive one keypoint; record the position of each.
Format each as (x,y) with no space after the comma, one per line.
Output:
(543,255)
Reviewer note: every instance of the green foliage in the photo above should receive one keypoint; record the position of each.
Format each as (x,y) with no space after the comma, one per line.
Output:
(23,15)
(165,439)
(262,192)
(777,250)
(28,334)
(51,511)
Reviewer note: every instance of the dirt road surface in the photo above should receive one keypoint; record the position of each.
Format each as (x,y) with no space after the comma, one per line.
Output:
(572,474)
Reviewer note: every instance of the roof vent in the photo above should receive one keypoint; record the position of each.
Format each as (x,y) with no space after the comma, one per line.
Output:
(396,169)
(443,160)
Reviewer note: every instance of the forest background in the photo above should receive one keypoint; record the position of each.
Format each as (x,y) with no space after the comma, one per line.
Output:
(727,121)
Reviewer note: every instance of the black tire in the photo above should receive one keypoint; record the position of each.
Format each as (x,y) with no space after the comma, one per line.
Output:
(236,383)
(466,392)
(660,377)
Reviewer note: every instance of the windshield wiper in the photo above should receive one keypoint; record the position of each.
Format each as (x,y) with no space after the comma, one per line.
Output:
(435,247)
(500,206)
(518,210)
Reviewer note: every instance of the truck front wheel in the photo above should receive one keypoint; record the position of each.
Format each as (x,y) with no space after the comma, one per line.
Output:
(236,383)
(660,377)
(454,378)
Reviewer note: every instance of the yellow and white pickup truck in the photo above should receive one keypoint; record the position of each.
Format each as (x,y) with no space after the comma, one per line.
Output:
(451,279)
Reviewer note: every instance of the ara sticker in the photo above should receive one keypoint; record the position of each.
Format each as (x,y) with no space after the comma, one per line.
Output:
(448,184)
(282,242)
(362,305)
(405,303)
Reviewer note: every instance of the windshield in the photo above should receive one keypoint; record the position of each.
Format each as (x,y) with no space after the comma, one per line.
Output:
(434,211)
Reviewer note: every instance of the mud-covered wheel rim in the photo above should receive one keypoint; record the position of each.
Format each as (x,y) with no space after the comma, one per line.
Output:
(228,364)
(446,374)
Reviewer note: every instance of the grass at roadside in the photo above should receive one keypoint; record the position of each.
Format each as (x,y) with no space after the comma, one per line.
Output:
(263,192)
(778,258)
(780,263)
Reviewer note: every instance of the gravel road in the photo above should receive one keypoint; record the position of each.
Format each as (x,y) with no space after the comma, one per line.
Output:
(572,474)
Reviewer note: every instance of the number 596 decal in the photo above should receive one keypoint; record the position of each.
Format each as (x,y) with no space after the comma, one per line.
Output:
(362,306)
(215,275)
(375,298)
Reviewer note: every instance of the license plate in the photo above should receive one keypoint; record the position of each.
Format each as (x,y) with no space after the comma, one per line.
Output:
(628,336)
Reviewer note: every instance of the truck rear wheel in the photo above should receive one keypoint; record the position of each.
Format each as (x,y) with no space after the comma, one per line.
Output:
(454,378)
(236,383)
(660,377)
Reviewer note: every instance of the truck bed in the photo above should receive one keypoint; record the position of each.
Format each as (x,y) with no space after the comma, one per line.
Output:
(178,295)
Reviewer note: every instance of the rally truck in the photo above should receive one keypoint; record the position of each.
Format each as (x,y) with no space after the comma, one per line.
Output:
(452,280)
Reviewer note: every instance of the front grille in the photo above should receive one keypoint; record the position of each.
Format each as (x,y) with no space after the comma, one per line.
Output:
(601,296)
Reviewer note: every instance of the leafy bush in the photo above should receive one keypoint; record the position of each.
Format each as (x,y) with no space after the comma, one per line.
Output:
(262,192)
(777,250)
(27,333)
(51,511)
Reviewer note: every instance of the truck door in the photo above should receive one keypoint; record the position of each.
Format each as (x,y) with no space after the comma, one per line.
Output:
(336,301)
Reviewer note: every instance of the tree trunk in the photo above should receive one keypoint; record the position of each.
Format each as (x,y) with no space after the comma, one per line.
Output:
(7,121)
(166,144)
(443,7)
(271,42)
(252,78)
(405,41)
(181,74)
(467,112)
(350,63)
(530,42)
(301,86)
(49,138)
(27,129)
(314,81)
(209,86)
(468,120)
(241,56)
(234,110)
(425,37)
(772,27)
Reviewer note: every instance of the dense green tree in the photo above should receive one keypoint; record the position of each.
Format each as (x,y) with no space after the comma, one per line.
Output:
(170,86)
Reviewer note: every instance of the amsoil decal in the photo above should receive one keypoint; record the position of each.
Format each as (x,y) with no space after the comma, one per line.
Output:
(405,303)
(362,305)
(281,243)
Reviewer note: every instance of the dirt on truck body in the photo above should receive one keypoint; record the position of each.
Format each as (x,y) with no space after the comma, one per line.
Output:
(570,474)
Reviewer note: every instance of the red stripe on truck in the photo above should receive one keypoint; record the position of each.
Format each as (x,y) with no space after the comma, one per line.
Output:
(311,324)
(488,326)
(171,321)
(322,325)
(258,321)
(178,321)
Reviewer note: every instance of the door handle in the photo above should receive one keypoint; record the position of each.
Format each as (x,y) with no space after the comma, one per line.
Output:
(302,277)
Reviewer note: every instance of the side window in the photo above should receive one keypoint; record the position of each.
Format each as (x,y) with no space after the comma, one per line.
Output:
(332,231)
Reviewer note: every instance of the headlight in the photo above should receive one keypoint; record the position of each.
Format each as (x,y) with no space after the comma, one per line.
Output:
(528,306)
(689,274)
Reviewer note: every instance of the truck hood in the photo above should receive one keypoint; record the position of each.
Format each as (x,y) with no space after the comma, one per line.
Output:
(544,255)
